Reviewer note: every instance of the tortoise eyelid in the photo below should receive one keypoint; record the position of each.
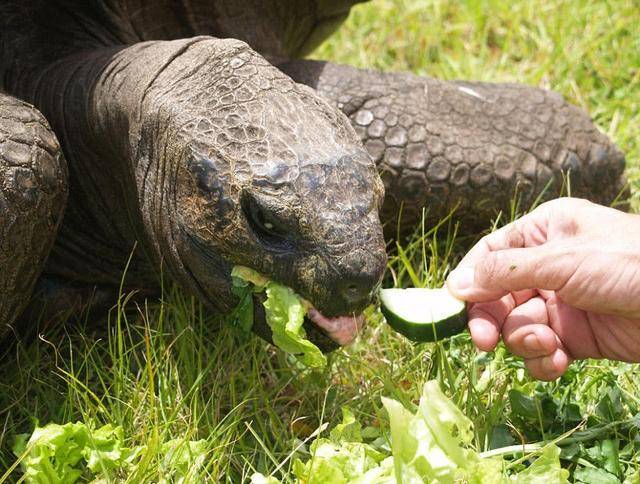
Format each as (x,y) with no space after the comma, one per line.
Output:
(266,227)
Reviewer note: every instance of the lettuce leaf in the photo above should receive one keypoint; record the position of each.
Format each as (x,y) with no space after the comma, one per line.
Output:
(52,453)
(433,445)
(546,468)
(258,478)
(284,311)
(430,445)
(341,463)
(105,451)
(182,460)
(344,458)
(62,454)
(285,314)
(59,454)
(416,453)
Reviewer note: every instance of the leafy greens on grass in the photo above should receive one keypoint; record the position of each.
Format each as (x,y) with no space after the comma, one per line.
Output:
(284,311)
(62,454)
(431,445)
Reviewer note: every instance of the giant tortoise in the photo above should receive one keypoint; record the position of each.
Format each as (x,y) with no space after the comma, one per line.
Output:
(182,137)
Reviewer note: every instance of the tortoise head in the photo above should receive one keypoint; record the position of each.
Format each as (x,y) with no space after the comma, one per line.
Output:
(267,175)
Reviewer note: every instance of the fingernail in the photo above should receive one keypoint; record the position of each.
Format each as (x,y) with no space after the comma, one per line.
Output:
(547,364)
(461,279)
(531,342)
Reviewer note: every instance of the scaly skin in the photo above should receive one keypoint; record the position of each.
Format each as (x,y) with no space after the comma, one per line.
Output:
(465,145)
(199,154)
(202,155)
(33,191)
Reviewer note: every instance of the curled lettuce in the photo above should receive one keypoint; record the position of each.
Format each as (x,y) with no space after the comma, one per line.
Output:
(284,311)
(61,454)
(344,458)
(546,468)
(64,454)
(431,445)
(434,444)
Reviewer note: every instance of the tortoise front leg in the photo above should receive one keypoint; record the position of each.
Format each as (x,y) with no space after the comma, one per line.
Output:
(33,192)
(442,145)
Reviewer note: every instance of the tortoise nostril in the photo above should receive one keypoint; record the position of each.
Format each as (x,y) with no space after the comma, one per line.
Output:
(356,292)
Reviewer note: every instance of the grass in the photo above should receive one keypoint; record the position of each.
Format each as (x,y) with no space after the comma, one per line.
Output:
(170,370)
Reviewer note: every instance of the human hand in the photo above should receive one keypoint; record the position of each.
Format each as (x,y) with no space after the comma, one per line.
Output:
(560,283)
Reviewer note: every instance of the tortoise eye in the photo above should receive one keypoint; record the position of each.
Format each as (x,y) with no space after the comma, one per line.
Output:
(271,232)
(264,223)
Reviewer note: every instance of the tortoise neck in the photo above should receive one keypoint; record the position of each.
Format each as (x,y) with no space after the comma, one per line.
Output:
(113,124)
(88,98)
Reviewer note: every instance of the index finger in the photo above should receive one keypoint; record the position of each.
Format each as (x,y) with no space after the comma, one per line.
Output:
(527,231)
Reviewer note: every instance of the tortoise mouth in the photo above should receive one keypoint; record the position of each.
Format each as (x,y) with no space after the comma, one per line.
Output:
(328,334)
(341,329)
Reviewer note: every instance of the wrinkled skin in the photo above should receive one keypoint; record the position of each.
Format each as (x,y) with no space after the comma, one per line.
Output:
(195,153)
(217,209)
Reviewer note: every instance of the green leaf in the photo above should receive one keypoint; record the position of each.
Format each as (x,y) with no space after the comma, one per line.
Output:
(258,478)
(605,455)
(633,477)
(243,276)
(416,455)
(20,444)
(522,405)
(347,431)
(546,468)
(285,314)
(344,458)
(431,445)
(284,311)
(609,451)
(104,451)
(340,463)
(610,408)
(183,458)
(592,475)
(61,454)
(501,437)
(53,453)
(242,314)
(451,429)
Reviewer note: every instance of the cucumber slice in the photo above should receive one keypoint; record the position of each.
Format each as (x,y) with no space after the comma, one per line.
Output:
(423,315)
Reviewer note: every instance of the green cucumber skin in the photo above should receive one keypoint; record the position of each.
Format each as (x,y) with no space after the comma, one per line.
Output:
(429,332)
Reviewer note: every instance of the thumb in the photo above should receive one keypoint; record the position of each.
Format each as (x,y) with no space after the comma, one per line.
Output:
(501,272)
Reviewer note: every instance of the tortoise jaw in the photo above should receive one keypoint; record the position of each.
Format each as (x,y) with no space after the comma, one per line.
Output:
(319,337)
(341,329)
